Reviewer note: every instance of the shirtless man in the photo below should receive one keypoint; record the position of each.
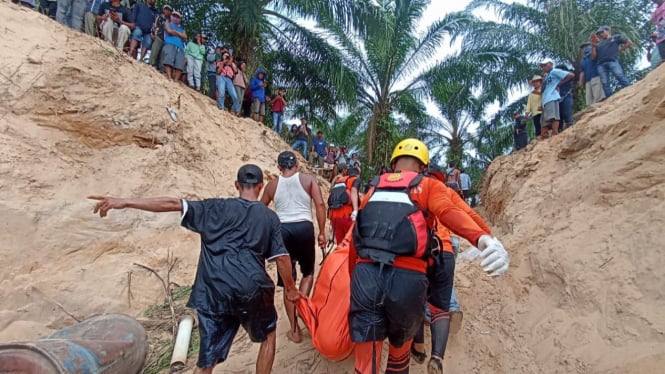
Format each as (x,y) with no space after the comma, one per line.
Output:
(293,193)
(453,177)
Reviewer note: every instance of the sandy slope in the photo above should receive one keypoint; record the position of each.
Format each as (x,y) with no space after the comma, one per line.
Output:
(580,214)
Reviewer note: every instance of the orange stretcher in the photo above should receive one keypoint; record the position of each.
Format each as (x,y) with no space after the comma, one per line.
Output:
(326,313)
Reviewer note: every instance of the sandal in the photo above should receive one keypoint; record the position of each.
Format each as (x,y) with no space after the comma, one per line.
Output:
(435,366)
(418,357)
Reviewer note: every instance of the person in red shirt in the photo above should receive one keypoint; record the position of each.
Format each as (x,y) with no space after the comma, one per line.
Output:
(388,297)
(278,106)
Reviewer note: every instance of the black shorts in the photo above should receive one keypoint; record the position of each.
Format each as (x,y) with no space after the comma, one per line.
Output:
(386,303)
(441,276)
(257,316)
(300,243)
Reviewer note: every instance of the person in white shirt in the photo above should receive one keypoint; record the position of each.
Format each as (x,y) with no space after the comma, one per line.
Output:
(293,193)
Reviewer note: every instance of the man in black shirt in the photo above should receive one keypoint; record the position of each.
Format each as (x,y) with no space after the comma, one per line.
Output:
(605,49)
(519,135)
(232,287)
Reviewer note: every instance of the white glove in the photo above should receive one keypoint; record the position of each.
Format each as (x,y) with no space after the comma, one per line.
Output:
(495,259)
(354,214)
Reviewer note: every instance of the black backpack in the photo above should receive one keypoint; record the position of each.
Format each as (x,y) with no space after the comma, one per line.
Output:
(390,223)
(340,194)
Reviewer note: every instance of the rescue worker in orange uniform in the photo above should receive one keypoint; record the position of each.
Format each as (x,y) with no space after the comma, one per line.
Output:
(441,274)
(390,258)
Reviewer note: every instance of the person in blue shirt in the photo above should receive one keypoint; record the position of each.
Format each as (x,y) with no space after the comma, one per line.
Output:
(319,150)
(550,93)
(258,87)
(144,16)
(173,53)
(589,78)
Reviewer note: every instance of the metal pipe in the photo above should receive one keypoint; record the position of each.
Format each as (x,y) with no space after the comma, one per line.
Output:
(109,344)
(181,345)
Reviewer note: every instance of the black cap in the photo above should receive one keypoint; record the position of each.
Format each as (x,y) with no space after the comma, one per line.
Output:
(250,174)
(354,172)
(286,159)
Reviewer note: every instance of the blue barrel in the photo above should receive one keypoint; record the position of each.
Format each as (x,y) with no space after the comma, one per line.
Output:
(109,343)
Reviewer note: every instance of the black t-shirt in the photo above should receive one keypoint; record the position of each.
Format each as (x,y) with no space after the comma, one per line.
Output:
(301,135)
(608,50)
(237,237)
(123,12)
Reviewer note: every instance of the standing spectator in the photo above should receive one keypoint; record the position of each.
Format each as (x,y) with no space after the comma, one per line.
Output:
(258,87)
(319,150)
(115,18)
(90,16)
(534,103)
(566,101)
(658,19)
(519,133)
(302,137)
(70,13)
(589,78)
(144,15)
(605,49)
(247,103)
(453,177)
(240,79)
(211,69)
(173,53)
(158,37)
(465,182)
(329,160)
(227,70)
(194,52)
(354,162)
(553,80)
(278,105)
(653,56)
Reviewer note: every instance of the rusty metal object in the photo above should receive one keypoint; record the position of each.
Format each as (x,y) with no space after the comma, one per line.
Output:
(109,343)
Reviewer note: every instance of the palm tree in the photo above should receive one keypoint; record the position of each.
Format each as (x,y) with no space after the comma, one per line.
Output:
(554,28)
(271,33)
(462,87)
(386,58)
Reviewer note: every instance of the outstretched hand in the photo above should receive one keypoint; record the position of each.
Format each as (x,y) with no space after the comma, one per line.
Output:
(107,203)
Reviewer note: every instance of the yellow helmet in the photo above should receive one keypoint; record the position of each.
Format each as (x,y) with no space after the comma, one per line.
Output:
(411,147)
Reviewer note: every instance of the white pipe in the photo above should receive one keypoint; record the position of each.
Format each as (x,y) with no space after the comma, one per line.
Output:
(181,345)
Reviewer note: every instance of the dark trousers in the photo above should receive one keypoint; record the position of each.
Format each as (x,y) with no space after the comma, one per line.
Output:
(566,111)
(520,140)
(212,85)
(536,123)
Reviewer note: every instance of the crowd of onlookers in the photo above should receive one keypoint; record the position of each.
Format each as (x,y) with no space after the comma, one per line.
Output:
(550,103)
(158,38)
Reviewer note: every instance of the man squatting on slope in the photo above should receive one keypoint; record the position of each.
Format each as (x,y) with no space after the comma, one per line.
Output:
(231,287)
(293,193)
(389,282)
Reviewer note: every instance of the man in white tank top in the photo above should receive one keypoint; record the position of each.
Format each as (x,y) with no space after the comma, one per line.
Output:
(293,193)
